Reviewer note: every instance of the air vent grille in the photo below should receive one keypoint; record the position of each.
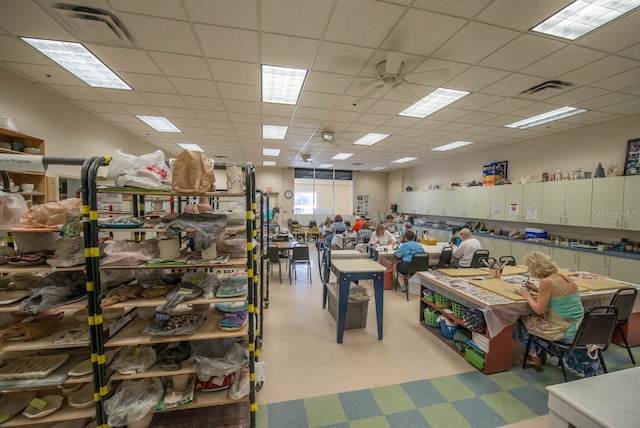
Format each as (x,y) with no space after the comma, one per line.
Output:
(546,89)
(93,25)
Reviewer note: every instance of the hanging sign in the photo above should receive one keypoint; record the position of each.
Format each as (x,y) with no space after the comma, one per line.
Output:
(33,163)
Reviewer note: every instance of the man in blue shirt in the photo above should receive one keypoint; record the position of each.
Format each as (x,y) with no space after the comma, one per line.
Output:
(406,251)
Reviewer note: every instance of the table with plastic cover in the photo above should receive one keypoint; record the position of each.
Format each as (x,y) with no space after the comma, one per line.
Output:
(348,270)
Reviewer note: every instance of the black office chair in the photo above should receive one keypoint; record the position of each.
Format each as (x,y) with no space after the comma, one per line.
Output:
(348,223)
(479,254)
(275,257)
(511,261)
(419,263)
(624,300)
(596,328)
(299,256)
(445,258)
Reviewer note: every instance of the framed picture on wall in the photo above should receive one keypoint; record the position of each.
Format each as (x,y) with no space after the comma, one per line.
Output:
(632,159)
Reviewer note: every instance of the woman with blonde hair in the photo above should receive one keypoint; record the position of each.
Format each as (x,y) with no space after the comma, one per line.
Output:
(557,313)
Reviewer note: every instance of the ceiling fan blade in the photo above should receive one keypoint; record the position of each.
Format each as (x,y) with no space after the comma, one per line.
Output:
(370,93)
(394,62)
(357,78)
(426,76)
(405,93)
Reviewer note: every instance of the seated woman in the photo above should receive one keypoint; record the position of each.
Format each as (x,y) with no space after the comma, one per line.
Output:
(389,224)
(558,311)
(338,226)
(382,236)
(406,251)
(463,254)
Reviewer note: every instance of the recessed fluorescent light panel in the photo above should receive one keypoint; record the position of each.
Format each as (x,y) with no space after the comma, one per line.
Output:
(584,16)
(281,85)
(270,152)
(377,168)
(159,123)
(342,156)
(75,58)
(451,146)
(370,139)
(404,160)
(274,132)
(436,100)
(269,163)
(191,147)
(549,116)
(326,166)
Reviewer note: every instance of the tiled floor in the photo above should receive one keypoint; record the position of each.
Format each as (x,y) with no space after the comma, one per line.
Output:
(409,379)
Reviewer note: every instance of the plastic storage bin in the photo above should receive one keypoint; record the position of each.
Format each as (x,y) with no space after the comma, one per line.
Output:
(356,309)
(474,357)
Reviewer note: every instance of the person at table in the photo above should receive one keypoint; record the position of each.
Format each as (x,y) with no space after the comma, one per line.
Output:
(557,313)
(406,251)
(338,226)
(327,223)
(463,254)
(389,224)
(382,236)
(358,224)
(364,234)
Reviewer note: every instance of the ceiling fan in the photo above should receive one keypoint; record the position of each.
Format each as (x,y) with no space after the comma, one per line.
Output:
(390,76)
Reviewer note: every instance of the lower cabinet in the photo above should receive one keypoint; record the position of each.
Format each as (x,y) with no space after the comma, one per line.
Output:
(566,259)
(594,263)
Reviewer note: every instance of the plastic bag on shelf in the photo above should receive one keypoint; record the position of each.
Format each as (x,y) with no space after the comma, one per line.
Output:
(132,401)
(213,348)
(134,359)
(130,253)
(235,178)
(240,387)
(234,244)
(179,294)
(193,173)
(53,290)
(12,208)
(208,281)
(52,213)
(31,242)
(235,217)
(148,171)
(208,227)
(68,252)
(233,360)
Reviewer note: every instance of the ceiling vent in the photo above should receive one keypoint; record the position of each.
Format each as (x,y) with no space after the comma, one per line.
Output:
(545,90)
(357,163)
(93,25)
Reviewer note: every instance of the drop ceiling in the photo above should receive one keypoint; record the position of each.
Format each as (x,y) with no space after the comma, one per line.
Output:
(197,62)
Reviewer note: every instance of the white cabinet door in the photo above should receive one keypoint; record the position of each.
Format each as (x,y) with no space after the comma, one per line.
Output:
(430,202)
(566,259)
(483,204)
(532,202)
(624,269)
(470,202)
(631,203)
(442,235)
(501,247)
(542,248)
(519,250)
(594,263)
(577,203)
(607,202)
(403,202)
(449,203)
(458,202)
(486,243)
(553,196)
(421,202)
(513,202)
(497,206)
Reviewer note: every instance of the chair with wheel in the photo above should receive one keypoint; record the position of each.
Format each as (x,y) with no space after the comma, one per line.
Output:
(299,256)
(511,261)
(445,258)
(419,263)
(477,256)
(596,328)
(624,299)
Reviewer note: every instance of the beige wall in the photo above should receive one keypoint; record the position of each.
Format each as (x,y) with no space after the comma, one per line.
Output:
(68,130)
(581,148)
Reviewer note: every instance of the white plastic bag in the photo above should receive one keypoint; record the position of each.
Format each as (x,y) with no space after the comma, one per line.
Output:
(12,208)
(148,171)
(133,400)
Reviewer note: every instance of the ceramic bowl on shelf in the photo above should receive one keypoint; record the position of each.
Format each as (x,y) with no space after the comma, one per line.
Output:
(14,189)
(17,146)
(32,150)
(27,187)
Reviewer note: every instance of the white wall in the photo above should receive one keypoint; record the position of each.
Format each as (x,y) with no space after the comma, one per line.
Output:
(581,148)
(67,130)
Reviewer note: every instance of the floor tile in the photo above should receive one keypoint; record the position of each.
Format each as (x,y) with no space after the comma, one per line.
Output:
(411,418)
(510,408)
(392,399)
(290,414)
(533,398)
(479,382)
(478,413)
(452,388)
(359,404)
(445,416)
(423,393)
(324,410)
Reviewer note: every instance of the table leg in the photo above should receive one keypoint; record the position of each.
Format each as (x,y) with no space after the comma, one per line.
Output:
(325,277)
(378,289)
(343,300)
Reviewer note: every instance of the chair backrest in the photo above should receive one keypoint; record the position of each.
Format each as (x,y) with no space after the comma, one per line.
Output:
(313,223)
(273,254)
(300,252)
(511,261)
(445,258)
(338,231)
(624,300)
(596,327)
(419,263)
(475,261)
(347,222)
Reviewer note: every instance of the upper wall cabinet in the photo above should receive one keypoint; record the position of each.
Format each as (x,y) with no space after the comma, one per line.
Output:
(483,207)
(606,202)
(631,203)
(531,203)
(567,202)
(513,202)
(465,201)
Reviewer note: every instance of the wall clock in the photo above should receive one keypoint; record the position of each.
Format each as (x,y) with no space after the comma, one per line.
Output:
(288,194)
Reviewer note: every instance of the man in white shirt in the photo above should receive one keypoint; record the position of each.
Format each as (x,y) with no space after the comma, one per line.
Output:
(463,254)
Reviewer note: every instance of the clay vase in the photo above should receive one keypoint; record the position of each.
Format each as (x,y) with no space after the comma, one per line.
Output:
(203,205)
(599,171)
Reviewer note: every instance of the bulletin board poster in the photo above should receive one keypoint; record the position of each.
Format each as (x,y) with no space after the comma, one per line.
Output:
(493,172)
(362,204)
(632,161)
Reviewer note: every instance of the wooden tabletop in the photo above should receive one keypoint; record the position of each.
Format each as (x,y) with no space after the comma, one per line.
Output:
(357,265)
(348,254)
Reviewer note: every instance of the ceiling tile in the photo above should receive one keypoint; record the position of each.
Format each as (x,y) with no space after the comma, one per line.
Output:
(506,105)
(276,120)
(373,119)
(139,109)
(235,72)
(342,59)
(101,107)
(47,74)
(614,36)
(627,107)
(361,128)
(202,103)
(122,97)
(525,50)
(512,85)
(576,95)
(242,106)
(79,93)
(219,127)
(421,33)
(287,51)
(327,82)
(601,69)
(23,18)
(202,88)
(303,18)
(164,35)
(534,109)
(244,118)
(401,121)
(188,125)
(271,109)
(211,115)
(164,100)
(181,65)
(15,50)
(228,43)
(315,99)
(239,92)
(161,8)
(631,52)
(391,108)
(520,15)
(311,113)
(173,112)
(477,117)
(124,59)
(620,81)
(563,61)
(236,13)
(476,78)
(462,8)
(120,118)
(474,42)
(148,83)
(476,101)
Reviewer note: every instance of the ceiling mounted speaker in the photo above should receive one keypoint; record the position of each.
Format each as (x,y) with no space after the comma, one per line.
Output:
(306,157)
(327,136)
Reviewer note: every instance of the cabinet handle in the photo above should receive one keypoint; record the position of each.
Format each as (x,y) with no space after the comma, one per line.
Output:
(561,219)
(618,223)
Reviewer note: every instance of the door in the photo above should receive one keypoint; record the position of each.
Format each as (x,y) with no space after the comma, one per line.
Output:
(566,259)
(518,251)
(497,202)
(624,269)
(532,202)
(577,203)
(606,202)
(553,196)
(594,263)
(483,204)
(631,203)
(513,202)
